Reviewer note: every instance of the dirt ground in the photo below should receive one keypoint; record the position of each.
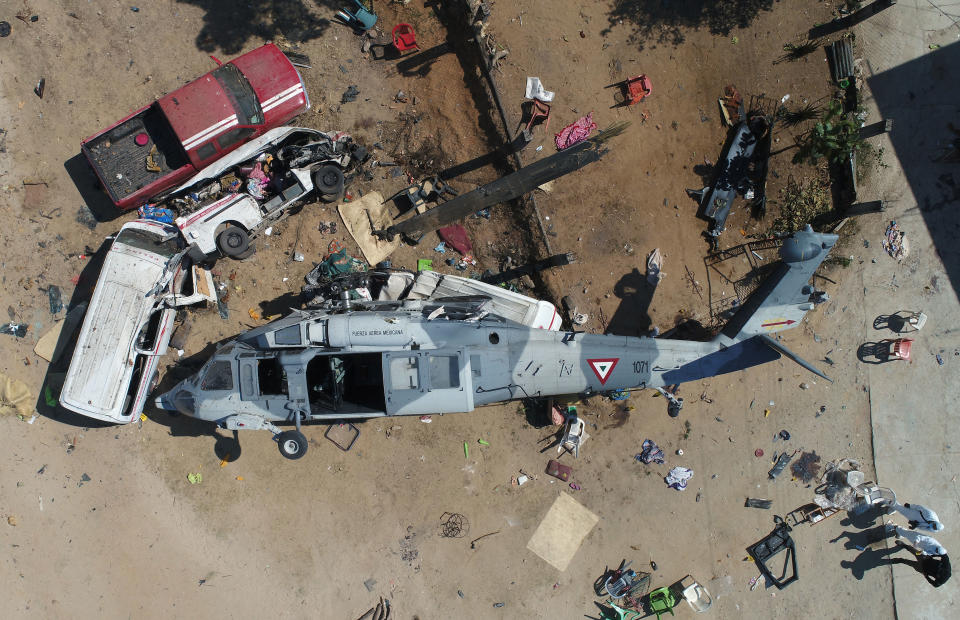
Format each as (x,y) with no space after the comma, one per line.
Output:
(324,536)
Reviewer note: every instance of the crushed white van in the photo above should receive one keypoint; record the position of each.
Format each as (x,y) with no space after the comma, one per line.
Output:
(129,321)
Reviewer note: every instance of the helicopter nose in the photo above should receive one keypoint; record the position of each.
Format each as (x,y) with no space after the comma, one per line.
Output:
(184,402)
(177,399)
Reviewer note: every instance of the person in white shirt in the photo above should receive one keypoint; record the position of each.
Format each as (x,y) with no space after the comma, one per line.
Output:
(919,517)
(921,543)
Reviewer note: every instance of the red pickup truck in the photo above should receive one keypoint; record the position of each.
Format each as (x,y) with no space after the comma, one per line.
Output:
(167,142)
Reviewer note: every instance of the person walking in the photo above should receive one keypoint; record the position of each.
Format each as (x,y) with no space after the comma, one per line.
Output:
(919,517)
(920,543)
(934,568)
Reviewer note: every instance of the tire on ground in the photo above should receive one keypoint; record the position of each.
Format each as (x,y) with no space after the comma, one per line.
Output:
(328,180)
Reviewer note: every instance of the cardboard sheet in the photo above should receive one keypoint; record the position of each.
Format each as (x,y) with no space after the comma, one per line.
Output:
(357,216)
(561,532)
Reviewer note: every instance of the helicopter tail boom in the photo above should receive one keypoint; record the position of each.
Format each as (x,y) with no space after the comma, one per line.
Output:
(782,300)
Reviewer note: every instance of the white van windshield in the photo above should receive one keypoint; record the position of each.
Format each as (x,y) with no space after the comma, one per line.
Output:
(146,240)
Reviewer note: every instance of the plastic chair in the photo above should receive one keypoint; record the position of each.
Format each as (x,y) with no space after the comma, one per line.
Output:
(899,348)
(623,614)
(404,38)
(617,588)
(916,320)
(695,594)
(662,600)
(572,437)
(538,111)
(362,18)
(638,88)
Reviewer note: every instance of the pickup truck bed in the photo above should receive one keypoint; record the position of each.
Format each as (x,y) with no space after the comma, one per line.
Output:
(115,152)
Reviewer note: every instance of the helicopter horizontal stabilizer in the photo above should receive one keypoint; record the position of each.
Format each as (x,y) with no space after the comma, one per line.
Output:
(780,348)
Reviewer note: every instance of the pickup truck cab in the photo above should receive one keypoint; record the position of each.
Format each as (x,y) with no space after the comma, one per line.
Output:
(167,142)
(225,206)
(129,321)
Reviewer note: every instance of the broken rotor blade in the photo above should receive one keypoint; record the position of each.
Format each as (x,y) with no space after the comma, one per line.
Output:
(509,187)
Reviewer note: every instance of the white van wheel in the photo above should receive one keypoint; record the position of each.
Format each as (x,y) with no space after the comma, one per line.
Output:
(233,241)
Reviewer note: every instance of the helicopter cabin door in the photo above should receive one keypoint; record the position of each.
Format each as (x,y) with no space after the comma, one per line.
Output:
(426,382)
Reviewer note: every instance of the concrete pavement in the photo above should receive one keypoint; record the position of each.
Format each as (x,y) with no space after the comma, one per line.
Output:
(911,67)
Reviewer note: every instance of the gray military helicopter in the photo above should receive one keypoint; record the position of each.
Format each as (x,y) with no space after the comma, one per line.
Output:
(387,355)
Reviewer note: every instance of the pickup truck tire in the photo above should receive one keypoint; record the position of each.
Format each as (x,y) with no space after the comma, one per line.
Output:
(233,241)
(292,444)
(328,180)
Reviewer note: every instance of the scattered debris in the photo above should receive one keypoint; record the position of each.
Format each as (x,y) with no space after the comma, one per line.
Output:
(15,397)
(651,453)
(380,611)
(758,503)
(780,465)
(559,470)
(807,467)
(456,237)
(777,541)
(343,435)
(350,95)
(38,89)
(654,266)
(575,132)
(195,478)
(454,525)
(535,90)
(18,330)
(4,29)
(731,105)
(55,298)
(678,478)
(895,242)
(473,545)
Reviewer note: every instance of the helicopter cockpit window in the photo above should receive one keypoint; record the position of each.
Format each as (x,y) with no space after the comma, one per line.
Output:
(219,376)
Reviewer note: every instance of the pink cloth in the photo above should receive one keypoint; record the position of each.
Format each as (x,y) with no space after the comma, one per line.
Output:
(258,173)
(575,132)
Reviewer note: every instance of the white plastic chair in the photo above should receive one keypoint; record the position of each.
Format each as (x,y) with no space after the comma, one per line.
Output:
(572,436)
(696,595)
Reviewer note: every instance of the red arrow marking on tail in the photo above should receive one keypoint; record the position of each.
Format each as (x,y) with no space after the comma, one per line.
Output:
(787,322)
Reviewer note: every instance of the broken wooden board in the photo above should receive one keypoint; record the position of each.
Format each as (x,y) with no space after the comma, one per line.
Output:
(357,216)
(561,532)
